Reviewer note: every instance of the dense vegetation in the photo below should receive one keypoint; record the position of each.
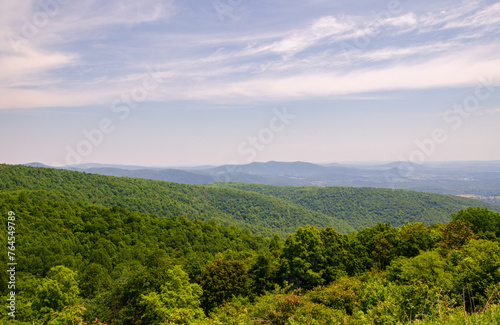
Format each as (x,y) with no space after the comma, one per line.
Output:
(480,179)
(364,207)
(121,267)
(82,262)
(265,210)
(261,214)
(102,250)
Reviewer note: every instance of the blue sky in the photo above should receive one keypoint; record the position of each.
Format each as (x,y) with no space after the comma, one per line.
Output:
(169,83)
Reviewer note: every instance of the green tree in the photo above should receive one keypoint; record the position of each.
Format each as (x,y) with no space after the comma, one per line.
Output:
(335,254)
(94,278)
(484,223)
(414,238)
(477,269)
(58,290)
(357,259)
(178,301)
(276,246)
(145,279)
(456,234)
(428,268)
(221,281)
(263,273)
(303,258)
(381,242)
(70,315)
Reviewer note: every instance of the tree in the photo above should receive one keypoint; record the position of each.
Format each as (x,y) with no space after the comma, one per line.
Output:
(304,258)
(484,223)
(178,302)
(335,254)
(276,246)
(70,315)
(456,234)
(58,290)
(477,269)
(413,238)
(221,281)
(263,273)
(428,268)
(94,278)
(357,259)
(381,242)
(144,280)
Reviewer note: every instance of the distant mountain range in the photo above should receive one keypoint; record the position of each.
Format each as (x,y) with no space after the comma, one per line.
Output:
(474,179)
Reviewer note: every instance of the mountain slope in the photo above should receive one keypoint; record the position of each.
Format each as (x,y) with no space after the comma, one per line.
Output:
(261,214)
(475,179)
(265,210)
(170,175)
(363,207)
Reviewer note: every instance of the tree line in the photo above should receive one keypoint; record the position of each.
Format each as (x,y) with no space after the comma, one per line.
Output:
(88,264)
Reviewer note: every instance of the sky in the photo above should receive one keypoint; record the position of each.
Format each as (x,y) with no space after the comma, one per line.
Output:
(184,83)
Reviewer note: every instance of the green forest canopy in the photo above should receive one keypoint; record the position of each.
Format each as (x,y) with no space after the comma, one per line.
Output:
(81,263)
(265,210)
(94,249)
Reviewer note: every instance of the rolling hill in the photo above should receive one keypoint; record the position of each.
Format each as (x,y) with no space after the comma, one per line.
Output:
(362,207)
(261,214)
(265,210)
(475,179)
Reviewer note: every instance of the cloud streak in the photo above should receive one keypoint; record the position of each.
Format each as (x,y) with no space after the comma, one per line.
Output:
(78,52)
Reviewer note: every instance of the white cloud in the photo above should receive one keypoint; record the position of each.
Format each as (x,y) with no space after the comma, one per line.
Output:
(32,34)
(28,67)
(466,16)
(305,61)
(485,17)
(80,19)
(445,71)
(322,28)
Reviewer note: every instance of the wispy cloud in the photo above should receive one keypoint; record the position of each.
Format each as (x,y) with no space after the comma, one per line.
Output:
(365,74)
(489,17)
(33,48)
(78,51)
(29,67)
(443,72)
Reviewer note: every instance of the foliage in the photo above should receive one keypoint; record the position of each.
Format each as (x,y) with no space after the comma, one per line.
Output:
(263,273)
(428,268)
(83,260)
(72,254)
(221,281)
(177,303)
(477,269)
(414,238)
(361,207)
(484,223)
(304,258)
(381,242)
(456,234)
(262,214)
(265,210)
(55,292)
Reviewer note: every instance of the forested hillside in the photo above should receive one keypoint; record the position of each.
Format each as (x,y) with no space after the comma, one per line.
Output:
(265,210)
(364,207)
(102,251)
(475,179)
(80,264)
(260,213)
